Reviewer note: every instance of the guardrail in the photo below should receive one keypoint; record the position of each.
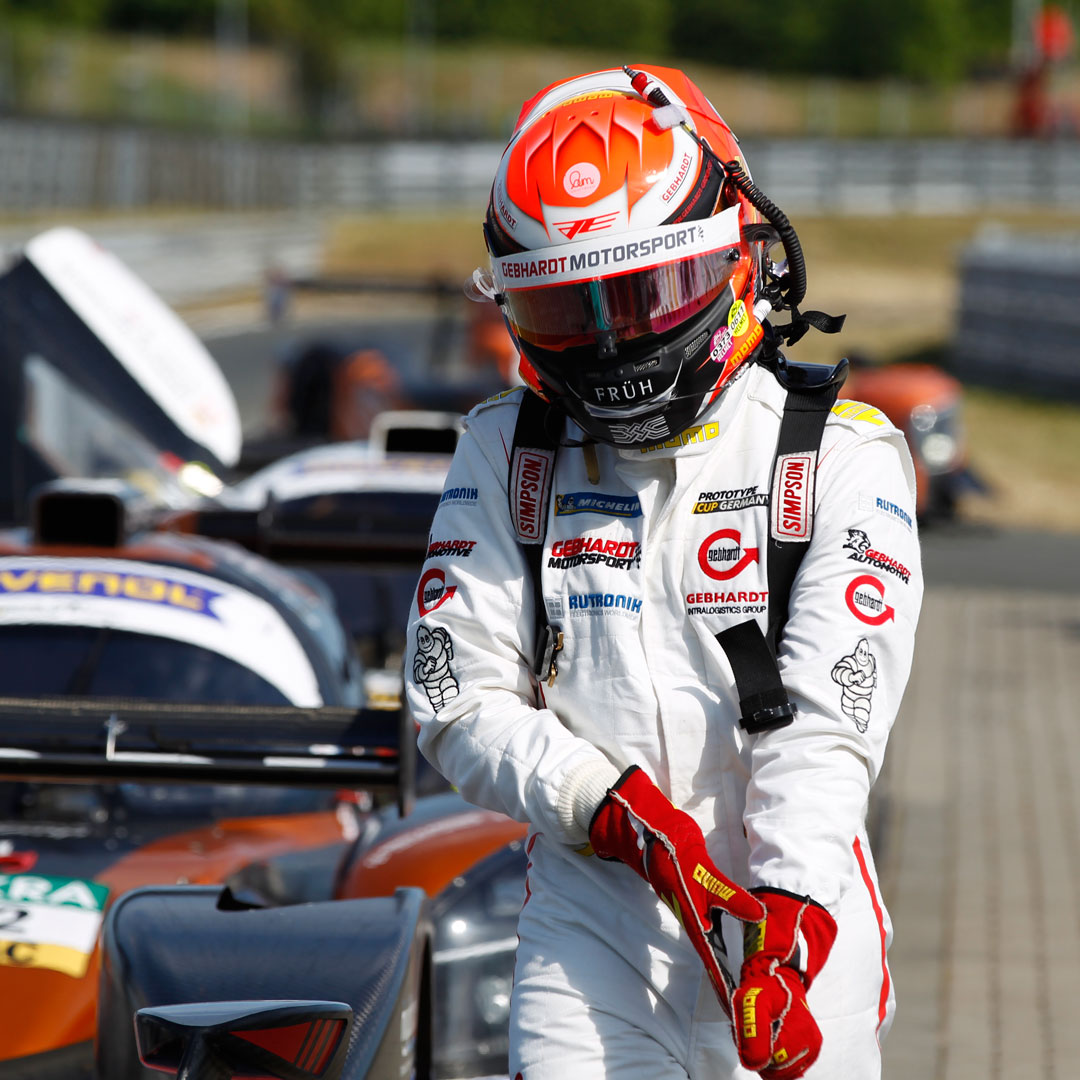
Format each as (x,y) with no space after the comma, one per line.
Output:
(1018,320)
(47,166)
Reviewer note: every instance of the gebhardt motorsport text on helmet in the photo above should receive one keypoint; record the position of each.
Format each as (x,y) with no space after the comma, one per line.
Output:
(629,253)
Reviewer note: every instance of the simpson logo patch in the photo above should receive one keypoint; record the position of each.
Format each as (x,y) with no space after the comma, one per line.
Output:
(529,491)
(793,496)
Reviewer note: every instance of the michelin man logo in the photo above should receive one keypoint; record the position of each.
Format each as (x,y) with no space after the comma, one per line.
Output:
(857,677)
(431,665)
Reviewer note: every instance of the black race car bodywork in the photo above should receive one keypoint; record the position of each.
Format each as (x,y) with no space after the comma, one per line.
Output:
(202,792)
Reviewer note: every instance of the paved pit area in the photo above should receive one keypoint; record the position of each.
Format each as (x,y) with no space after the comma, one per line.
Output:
(978,826)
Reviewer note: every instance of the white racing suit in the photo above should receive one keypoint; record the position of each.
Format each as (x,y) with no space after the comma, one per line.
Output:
(643,565)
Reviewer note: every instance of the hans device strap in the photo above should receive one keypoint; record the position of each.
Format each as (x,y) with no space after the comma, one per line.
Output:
(532,468)
(812,390)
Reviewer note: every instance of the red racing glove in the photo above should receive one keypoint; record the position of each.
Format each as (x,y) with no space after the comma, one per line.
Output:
(774,1031)
(636,824)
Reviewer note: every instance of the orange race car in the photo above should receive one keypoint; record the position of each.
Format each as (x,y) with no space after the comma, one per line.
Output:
(926,404)
(187,730)
(120,799)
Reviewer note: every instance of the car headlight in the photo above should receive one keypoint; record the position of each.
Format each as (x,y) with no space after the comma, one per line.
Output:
(939,451)
(475,921)
(492,999)
(937,437)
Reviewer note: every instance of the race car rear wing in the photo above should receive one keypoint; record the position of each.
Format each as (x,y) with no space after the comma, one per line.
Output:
(109,741)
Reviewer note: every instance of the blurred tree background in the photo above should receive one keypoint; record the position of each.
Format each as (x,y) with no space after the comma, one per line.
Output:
(918,39)
(359,68)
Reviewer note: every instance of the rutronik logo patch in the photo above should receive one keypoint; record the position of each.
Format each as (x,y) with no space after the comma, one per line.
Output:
(856,674)
(468,496)
(886,508)
(431,665)
(582,605)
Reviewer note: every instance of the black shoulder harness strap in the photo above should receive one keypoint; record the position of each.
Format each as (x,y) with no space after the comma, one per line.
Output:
(812,391)
(763,701)
(532,467)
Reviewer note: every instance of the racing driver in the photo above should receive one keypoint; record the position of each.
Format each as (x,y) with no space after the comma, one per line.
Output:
(626,667)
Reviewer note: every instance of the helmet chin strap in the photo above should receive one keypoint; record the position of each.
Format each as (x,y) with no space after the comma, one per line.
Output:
(783,292)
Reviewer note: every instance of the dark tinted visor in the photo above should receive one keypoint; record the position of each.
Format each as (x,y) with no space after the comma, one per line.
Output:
(634,284)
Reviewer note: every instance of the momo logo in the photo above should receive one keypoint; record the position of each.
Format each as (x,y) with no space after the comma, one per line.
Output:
(581,179)
(432,591)
(570,229)
(793,491)
(747,347)
(865,599)
(722,556)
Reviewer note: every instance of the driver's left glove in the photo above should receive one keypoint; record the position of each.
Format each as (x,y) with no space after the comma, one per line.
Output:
(775,1033)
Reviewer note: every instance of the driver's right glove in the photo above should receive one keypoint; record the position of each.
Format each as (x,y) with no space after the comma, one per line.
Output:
(636,824)
(775,1033)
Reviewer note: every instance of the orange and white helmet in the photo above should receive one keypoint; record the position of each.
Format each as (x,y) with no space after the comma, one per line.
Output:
(621,254)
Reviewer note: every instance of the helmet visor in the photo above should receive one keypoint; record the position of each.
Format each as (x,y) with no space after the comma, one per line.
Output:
(638,283)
